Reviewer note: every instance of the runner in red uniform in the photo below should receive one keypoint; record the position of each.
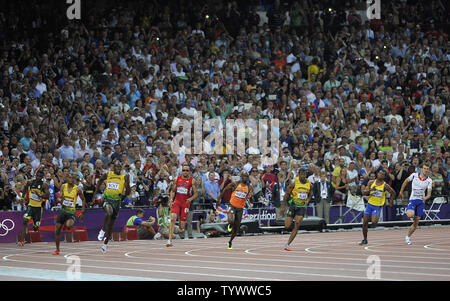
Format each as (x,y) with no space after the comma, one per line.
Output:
(181,195)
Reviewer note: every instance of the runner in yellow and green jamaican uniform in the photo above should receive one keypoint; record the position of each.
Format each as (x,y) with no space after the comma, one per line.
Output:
(117,187)
(68,199)
(38,192)
(299,192)
(377,198)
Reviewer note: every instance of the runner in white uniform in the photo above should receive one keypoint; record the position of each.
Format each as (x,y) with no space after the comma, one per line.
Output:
(420,183)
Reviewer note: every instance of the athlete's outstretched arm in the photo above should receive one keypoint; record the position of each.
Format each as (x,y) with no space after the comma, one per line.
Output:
(26,187)
(46,191)
(61,195)
(400,194)
(83,201)
(250,193)
(194,195)
(99,184)
(309,195)
(173,189)
(127,185)
(366,191)
(391,192)
(286,197)
(231,186)
(428,194)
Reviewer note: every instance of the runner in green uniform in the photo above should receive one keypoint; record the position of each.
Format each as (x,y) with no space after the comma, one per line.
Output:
(37,193)
(117,186)
(66,216)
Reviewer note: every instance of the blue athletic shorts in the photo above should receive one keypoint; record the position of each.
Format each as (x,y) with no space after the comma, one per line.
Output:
(417,205)
(373,210)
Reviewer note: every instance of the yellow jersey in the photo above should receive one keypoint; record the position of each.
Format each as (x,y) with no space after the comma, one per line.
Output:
(35,194)
(377,196)
(300,192)
(70,198)
(115,186)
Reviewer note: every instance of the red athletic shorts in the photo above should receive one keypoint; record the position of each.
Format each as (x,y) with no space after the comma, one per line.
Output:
(181,209)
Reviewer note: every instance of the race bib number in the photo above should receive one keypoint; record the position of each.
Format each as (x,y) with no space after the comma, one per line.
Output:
(68,203)
(241,194)
(302,195)
(113,185)
(35,197)
(182,190)
(377,193)
(419,193)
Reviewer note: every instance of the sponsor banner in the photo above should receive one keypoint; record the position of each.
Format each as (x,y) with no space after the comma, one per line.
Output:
(11,223)
(265,215)
(398,212)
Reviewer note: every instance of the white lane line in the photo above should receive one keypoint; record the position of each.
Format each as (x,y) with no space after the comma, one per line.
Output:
(436,249)
(383,240)
(145,243)
(384,266)
(45,274)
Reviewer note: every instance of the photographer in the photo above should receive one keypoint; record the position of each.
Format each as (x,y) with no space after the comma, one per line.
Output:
(163,217)
(144,189)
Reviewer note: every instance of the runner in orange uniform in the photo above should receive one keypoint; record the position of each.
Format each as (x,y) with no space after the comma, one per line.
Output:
(241,192)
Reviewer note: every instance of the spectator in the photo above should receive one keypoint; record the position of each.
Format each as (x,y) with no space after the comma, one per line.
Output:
(341,187)
(438,180)
(323,194)
(223,182)
(132,199)
(143,188)
(212,189)
(276,16)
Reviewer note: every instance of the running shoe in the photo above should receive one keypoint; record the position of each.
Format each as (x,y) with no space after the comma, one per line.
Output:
(363,242)
(157,236)
(20,243)
(230,228)
(408,240)
(287,248)
(56,252)
(169,243)
(101,235)
(229,246)
(104,248)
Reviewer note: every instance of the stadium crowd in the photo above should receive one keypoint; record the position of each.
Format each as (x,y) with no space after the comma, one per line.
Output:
(352,96)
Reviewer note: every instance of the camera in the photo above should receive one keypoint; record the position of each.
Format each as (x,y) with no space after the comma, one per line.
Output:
(163,199)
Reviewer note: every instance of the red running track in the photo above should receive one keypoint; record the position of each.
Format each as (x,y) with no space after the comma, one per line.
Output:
(315,257)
